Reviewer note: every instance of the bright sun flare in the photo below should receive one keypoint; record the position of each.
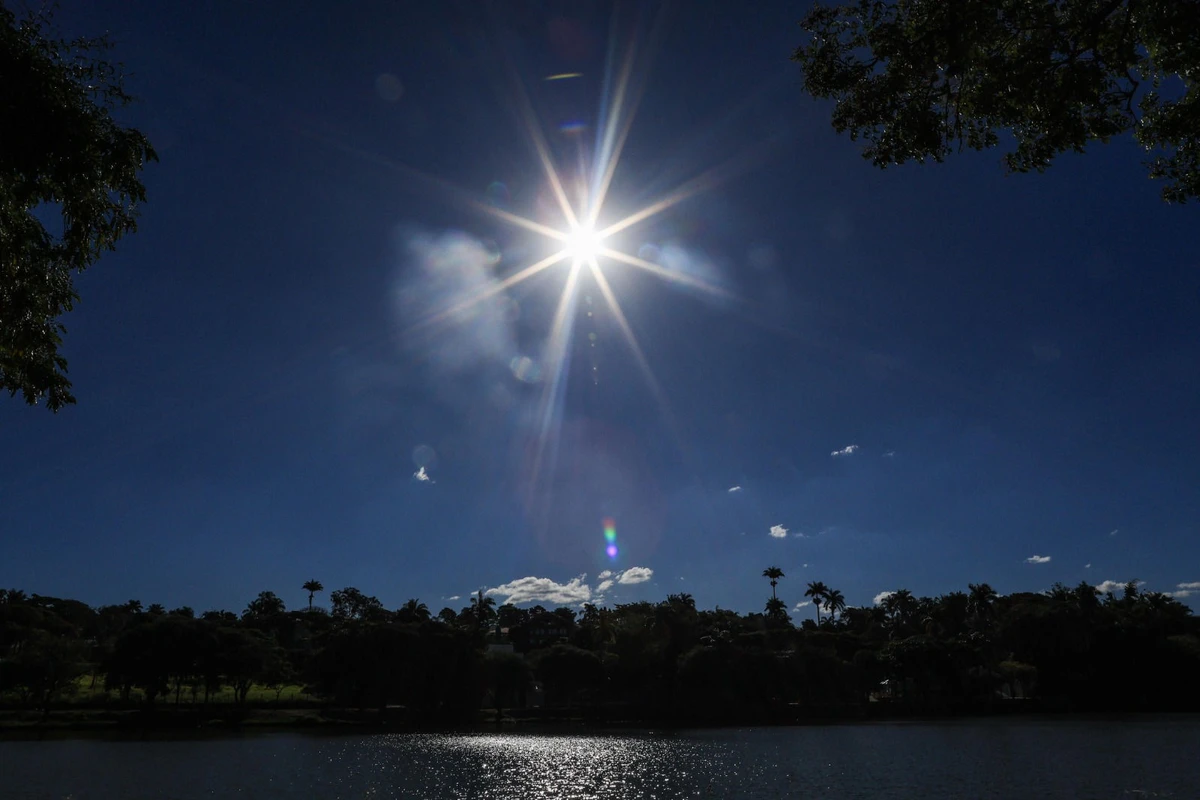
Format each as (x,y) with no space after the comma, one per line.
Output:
(583,244)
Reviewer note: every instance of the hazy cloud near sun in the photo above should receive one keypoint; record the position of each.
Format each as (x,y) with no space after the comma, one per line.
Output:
(636,575)
(574,592)
(1038,560)
(848,450)
(544,590)
(778,532)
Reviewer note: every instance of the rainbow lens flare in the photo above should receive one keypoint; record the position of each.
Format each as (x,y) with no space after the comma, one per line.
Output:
(610,536)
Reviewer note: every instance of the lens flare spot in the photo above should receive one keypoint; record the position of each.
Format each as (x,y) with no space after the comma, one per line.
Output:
(612,551)
(498,195)
(525,369)
(572,127)
(388,87)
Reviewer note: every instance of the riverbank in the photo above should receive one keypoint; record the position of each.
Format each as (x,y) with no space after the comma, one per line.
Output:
(26,723)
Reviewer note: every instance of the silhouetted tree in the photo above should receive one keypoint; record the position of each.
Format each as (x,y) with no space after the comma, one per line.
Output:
(312,587)
(915,80)
(773,574)
(350,603)
(835,602)
(61,153)
(817,592)
(266,605)
(413,611)
(482,609)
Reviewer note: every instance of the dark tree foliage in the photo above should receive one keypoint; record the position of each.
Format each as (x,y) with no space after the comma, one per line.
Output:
(69,190)
(916,78)
(668,662)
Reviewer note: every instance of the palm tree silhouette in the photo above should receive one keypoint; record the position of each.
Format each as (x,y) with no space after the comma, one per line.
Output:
(774,573)
(776,609)
(835,602)
(413,611)
(483,607)
(312,587)
(817,591)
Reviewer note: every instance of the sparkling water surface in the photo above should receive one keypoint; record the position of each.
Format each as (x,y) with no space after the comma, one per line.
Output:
(1078,758)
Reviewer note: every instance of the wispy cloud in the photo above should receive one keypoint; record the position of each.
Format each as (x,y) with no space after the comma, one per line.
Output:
(1191,585)
(422,475)
(454,597)
(848,450)
(734,489)
(778,531)
(889,454)
(1105,587)
(1181,594)
(604,585)
(636,575)
(606,574)
(1183,590)
(1087,565)
(802,605)
(879,598)
(544,590)
(1038,560)
(1114,531)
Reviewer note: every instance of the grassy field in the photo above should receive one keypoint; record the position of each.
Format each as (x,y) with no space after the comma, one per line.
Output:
(86,693)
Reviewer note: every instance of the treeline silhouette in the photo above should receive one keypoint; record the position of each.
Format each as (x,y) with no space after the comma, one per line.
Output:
(1070,648)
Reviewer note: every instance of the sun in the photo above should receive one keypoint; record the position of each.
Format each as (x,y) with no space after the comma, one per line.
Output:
(583,243)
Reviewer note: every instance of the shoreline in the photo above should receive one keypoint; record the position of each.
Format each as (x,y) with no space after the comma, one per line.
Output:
(138,723)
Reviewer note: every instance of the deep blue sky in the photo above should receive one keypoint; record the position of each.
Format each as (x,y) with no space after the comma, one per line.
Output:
(1014,357)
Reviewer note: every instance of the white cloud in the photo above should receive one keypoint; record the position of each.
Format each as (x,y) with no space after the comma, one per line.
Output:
(1114,531)
(1038,560)
(636,575)
(879,598)
(845,451)
(1180,594)
(603,575)
(422,475)
(890,454)
(1110,586)
(778,531)
(454,597)
(806,566)
(604,586)
(734,489)
(802,605)
(1087,565)
(1192,585)
(544,590)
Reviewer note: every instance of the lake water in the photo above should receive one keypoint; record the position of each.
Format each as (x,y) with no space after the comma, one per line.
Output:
(1111,758)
